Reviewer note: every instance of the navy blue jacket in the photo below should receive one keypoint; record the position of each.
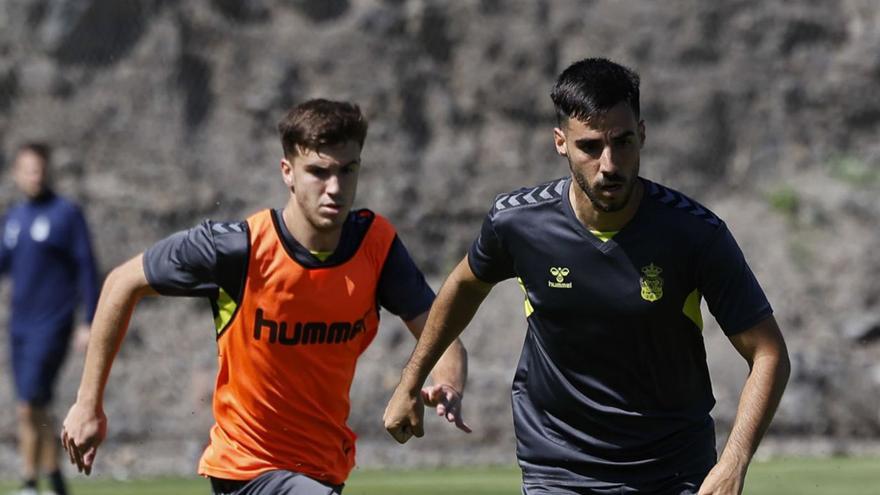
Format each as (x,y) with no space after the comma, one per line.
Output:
(47,251)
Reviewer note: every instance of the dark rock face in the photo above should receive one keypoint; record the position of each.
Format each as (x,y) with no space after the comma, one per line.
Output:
(163,113)
(93,33)
(325,11)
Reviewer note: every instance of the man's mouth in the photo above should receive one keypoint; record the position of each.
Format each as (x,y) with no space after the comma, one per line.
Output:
(611,187)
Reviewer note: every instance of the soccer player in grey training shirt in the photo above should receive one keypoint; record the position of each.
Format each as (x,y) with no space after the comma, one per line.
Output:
(612,390)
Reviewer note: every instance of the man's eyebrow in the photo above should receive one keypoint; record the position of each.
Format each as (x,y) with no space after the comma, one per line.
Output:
(356,161)
(624,134)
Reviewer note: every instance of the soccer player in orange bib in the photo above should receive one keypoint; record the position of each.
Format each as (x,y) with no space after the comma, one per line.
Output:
(296,295)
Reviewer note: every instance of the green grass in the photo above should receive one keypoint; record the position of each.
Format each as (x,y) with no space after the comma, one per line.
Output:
(103,486)
(486,481)
(837,476)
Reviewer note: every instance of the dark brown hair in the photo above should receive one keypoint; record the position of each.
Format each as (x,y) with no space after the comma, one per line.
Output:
(318,123)
(42,150)
(593,86)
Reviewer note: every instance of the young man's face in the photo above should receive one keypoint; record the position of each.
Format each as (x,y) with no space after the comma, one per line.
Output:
(603,155)
(29,173)
(324,182)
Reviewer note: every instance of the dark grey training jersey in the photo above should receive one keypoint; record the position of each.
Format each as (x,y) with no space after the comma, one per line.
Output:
(612,387)
(213,256)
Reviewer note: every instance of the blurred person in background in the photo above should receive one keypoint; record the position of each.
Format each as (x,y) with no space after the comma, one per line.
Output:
(295,293)
(47,252)
(612,392)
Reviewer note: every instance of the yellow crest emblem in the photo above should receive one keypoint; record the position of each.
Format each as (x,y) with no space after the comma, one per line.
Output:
(651,283)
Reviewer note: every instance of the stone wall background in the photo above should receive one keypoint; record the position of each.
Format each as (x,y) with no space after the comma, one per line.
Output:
(162,113)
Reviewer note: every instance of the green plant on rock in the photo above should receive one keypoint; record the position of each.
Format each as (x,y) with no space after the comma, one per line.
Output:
(786,201)
(853,170)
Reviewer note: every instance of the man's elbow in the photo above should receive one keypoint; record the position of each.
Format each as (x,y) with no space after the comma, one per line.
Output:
(458,346)
(776,363)
(127,279)
(783,367)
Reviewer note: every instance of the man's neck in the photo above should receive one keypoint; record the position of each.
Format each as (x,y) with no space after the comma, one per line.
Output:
(42,196)
(305,233)
(603,221)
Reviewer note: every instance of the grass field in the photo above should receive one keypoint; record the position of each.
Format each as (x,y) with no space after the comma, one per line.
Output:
(838,476)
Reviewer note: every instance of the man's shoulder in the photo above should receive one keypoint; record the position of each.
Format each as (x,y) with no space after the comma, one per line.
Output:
(363,216)
(526,198)
(223,238)
(363,219)
(234,228)
(14,210)
(66,207)
(675,208)
(229,239)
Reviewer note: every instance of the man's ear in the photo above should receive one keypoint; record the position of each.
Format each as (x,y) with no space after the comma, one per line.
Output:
(641,133)
(287,172)
(559,141)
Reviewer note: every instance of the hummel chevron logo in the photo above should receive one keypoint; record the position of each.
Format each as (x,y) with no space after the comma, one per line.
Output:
(225,228)
(531,196)
(681,202)
(559,273)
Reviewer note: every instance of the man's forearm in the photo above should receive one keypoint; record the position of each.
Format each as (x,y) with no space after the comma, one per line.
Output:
(760,397)
(121,292)
(455,306)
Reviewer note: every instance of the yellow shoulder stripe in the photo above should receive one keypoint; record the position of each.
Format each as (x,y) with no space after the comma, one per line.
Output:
(691,308)
(527,305)
(226,307)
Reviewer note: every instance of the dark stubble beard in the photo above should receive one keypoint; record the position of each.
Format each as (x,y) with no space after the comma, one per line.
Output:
(593,195)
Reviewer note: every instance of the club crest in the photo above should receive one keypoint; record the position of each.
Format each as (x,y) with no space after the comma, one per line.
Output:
(651,283)
(40,229)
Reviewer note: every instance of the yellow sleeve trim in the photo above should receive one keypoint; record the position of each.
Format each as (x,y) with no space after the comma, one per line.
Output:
(527,305)
(226,308)
(691,308)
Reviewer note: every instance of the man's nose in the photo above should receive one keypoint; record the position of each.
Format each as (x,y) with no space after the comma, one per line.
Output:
(606,162)
(332,184)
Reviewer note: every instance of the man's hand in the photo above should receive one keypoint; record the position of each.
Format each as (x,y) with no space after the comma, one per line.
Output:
(447,400)
(82,432)
(723,479)
(404,415)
